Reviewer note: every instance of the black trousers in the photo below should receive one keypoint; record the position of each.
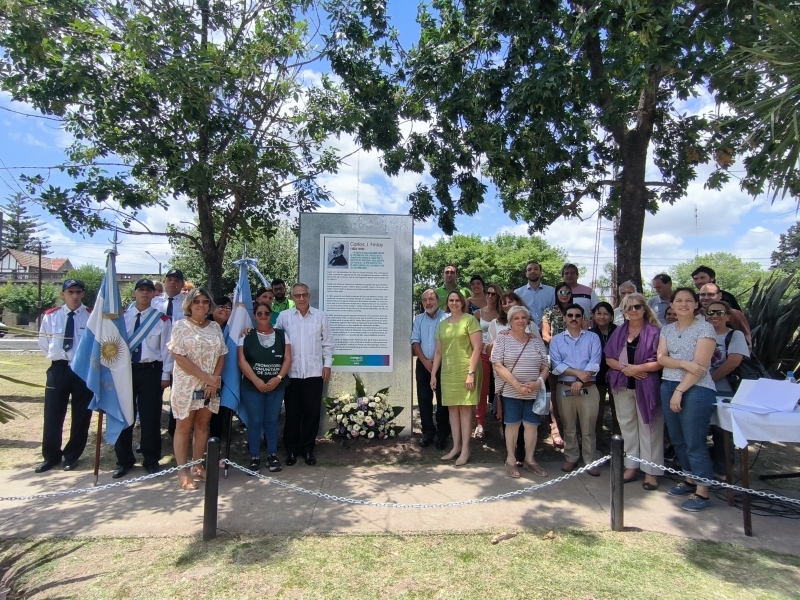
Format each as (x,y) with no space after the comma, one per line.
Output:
(425,402)
(61,384)
(147,396)
(303,402)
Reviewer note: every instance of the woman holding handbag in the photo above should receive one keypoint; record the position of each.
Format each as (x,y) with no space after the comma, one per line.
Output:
(520,363)
(633,375)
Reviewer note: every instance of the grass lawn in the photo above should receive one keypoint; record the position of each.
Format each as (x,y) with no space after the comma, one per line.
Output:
(575,563)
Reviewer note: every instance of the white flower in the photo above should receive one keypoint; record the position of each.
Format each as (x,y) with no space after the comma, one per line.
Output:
(338,417)
(363,432)
(387,414)
(391,433)
(371,434)
(360,413)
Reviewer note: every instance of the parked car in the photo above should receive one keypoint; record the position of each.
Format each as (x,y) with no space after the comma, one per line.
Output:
(3,329)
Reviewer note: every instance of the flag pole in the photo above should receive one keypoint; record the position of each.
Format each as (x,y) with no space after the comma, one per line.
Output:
(99,441)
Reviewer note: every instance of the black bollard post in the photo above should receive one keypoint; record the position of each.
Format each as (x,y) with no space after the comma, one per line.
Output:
(212,490)
(617,470)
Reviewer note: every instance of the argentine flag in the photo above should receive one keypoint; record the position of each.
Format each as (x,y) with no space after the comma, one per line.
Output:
(102,358)
(241,319)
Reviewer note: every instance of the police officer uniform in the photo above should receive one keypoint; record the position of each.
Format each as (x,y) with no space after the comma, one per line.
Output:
(59,336)
(151,363)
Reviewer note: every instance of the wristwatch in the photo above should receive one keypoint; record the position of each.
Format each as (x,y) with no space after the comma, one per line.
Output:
(279,377)
(470,372)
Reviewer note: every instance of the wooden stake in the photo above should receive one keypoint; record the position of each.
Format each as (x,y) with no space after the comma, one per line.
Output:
(97,445)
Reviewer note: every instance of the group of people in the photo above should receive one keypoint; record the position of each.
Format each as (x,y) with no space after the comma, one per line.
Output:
(176,341)
(659,364)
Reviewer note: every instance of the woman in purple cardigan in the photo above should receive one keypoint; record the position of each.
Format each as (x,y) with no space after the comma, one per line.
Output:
(634,377)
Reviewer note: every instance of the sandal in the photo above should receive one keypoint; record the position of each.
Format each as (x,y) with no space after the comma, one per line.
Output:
(535,469)
(185,482)
(198,473)
(512,471)
(478,433)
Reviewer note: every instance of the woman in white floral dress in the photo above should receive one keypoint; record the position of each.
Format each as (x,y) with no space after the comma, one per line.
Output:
(199,350)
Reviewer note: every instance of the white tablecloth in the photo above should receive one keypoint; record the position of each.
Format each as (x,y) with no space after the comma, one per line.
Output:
(748,427)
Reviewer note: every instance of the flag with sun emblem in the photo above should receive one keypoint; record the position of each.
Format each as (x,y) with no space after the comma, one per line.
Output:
(241,318)
(102,358)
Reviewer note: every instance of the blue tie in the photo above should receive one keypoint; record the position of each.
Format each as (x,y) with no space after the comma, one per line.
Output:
(136,355)
(69,331)
(169,307)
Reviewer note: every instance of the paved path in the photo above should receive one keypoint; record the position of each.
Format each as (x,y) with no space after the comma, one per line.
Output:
(10,344)
(248,505)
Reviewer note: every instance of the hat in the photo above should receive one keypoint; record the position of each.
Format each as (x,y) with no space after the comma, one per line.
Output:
(174,273)
(72,283)
(144,282)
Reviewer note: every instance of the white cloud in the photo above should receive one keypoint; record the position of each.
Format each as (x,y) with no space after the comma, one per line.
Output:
(757,245)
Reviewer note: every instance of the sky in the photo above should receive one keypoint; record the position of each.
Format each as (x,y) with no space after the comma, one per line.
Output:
(727,220)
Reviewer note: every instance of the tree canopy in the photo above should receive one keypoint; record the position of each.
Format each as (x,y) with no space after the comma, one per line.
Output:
(733,274)
(92,278)
(499,260)
(204,103)
(21,299)
(553,101)
(20,229)
(787,256)
(276,254)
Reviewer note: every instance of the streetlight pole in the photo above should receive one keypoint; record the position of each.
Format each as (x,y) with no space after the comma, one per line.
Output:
(155,259)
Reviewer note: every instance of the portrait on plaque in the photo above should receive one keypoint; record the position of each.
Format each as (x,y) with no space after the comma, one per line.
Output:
(338,254)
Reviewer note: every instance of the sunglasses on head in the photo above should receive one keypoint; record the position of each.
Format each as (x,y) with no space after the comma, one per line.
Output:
(635,307)
(574,316)
(716,313)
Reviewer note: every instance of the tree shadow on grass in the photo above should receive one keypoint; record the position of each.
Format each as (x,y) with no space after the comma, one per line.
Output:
(16,564)
(751,569)
(244,550)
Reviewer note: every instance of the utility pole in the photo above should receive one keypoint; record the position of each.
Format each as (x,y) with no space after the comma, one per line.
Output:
(39,301)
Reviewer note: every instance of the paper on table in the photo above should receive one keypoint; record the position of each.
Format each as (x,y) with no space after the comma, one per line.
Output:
(757,410)
(781,396)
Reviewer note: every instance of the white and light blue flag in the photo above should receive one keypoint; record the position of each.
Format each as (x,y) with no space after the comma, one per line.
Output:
(241,318)
(102,358)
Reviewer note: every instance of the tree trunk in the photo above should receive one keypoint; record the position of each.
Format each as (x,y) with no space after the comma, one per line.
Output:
(633,207)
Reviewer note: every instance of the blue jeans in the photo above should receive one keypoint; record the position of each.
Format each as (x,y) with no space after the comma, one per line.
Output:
(263,409)
(688,429)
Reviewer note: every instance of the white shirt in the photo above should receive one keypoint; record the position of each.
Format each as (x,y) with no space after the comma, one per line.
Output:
(54,324)
(312,341)
(154,347)
(161,302)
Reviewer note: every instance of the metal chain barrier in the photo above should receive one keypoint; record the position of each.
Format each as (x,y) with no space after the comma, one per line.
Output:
(360,502)
(102,487)
(713,482)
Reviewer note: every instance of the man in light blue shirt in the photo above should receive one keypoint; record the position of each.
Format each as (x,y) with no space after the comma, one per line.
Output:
(423,345)
(662,284)
(575,356)
(536,295)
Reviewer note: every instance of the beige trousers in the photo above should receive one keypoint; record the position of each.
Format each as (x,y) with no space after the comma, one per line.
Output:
(578,408)
(641,441)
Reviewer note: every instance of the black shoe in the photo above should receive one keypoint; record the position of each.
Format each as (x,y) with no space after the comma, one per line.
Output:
(46,466)
(291,459)
(70,465)
(425,442)
(152,469)
(310,458)
(441,444)
(255,464)
(274,463)
(120,471)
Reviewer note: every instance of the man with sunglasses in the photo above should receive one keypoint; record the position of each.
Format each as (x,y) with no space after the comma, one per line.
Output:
(450,277)
(575,356)
(538,296)
(710,293)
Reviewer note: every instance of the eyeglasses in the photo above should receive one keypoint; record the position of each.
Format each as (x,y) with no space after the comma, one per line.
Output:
(263,314)
(716,313)
(225,308)
(711,295)
(491,293)
(564,292)
(634,307)
(301,296)
(574,316)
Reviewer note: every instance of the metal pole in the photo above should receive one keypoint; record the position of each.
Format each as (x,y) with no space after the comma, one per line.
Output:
(617,483)
(39,301)
(212,490)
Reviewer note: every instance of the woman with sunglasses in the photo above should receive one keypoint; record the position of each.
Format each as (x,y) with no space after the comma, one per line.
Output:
(553,323)
(477,299)
(731,350)
(632,357)
(485,316)
(459,343)
(688,394)
(265,357)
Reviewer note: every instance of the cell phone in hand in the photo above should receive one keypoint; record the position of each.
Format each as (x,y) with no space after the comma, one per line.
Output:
(568,392)
(199,395)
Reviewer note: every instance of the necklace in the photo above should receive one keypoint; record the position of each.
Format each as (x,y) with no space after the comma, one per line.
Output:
(265,332)
(198,323)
